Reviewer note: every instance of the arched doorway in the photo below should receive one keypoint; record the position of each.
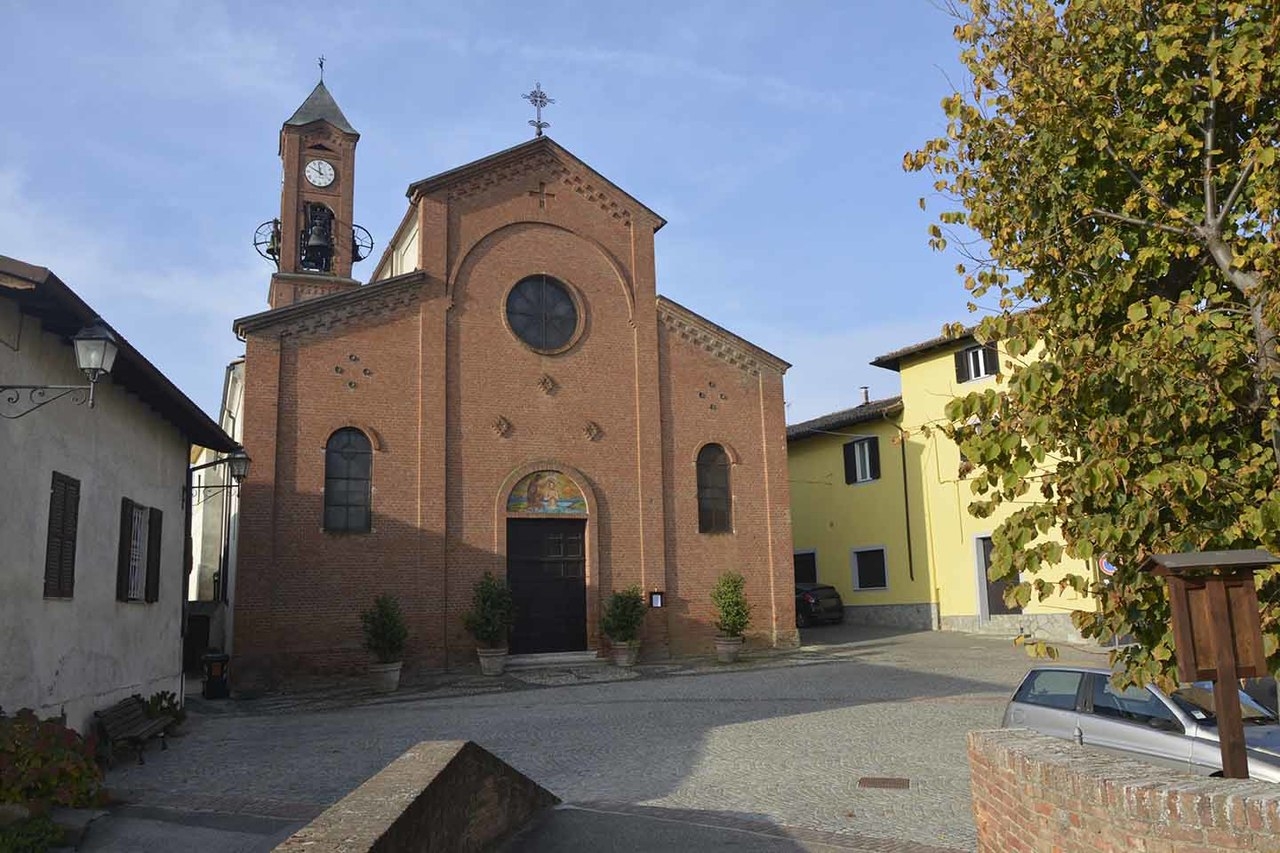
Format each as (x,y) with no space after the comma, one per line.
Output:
(546,563)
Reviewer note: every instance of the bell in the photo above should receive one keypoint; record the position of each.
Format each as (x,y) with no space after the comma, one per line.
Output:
(317,239)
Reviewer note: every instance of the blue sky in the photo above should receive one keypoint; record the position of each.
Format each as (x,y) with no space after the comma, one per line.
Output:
(138,153)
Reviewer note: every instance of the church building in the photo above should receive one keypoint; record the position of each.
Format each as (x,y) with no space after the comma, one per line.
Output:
(507,393)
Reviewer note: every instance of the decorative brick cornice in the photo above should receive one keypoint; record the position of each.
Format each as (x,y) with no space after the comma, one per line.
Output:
(544,157)
(544,163)
(371,302)
(700,332)
(592,192)
(535,162)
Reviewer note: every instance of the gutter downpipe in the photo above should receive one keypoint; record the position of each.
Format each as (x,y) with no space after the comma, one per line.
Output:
(936,617)
(906,498)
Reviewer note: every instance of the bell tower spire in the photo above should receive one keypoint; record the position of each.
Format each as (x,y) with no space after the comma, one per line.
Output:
(316,244)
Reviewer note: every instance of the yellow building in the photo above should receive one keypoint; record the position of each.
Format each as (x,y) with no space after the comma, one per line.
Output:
(880,511)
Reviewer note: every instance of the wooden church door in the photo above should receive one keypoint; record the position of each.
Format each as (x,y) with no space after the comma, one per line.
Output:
(546,571)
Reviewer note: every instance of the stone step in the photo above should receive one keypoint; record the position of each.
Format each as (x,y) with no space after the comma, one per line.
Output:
(555,660)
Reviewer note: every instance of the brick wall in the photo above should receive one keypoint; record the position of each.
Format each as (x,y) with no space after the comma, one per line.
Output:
(1034,793)
(704,400)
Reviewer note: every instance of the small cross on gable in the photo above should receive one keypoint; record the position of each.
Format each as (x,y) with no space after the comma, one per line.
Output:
(542,194)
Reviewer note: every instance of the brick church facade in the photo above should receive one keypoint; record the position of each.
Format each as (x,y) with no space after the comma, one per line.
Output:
(508,393)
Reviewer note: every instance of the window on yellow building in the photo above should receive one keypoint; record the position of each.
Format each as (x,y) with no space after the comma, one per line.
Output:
(862,460)
(869,571)
(976,363)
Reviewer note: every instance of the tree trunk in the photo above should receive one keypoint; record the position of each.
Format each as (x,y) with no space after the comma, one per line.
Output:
(1268,365)
(1248,285)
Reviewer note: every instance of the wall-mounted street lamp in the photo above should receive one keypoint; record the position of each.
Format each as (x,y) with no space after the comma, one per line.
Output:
(237,462)
(96,350)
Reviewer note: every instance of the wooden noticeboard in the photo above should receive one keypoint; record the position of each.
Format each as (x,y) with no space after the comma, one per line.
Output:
(1199,620)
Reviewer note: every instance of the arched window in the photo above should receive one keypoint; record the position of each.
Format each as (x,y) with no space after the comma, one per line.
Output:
(348,469)
(714,502)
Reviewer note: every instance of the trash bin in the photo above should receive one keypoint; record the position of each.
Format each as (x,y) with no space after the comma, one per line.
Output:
(215,675)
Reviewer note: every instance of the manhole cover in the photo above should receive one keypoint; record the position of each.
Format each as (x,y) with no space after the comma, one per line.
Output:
(883,782)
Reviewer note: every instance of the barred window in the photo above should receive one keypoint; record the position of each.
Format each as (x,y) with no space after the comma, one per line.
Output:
(138,564)
(348,474)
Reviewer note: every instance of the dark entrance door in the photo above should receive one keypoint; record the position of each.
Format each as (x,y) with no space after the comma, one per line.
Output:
(546,571)
(995,589)
(806,564)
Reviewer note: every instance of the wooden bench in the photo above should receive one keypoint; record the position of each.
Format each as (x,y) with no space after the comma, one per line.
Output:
(127,722)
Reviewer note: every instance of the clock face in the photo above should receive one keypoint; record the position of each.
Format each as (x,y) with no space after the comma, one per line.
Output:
(319,173)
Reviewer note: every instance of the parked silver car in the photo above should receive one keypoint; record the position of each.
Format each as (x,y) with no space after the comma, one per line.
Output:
(1178,731)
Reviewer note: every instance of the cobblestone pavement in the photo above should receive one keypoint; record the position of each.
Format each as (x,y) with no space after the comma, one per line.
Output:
(782,740)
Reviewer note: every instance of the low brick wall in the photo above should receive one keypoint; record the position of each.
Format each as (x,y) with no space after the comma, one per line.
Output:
(1034,793)
(438,796)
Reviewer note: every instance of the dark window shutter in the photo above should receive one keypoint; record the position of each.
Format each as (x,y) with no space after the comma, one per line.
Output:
(54,545)
(154,526)
(122,563)
(990,360)
(873,453)
(962,366)
(70,525)
(851,462)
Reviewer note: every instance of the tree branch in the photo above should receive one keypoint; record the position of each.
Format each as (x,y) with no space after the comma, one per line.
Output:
(1210,120)
(1141,184)
(1144,223)
(1234,195)
(1223,255)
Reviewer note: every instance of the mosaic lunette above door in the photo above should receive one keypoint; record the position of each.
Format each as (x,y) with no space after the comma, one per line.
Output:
(547,492)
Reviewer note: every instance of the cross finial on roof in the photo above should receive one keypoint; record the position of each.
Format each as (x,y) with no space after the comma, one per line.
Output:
(320,62)
(539,100)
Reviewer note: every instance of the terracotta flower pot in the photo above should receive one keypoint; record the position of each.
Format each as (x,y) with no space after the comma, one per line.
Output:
(728,649)
(385,677)
(492,661)
(625,654)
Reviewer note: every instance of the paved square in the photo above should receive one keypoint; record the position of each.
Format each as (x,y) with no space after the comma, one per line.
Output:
(783,741)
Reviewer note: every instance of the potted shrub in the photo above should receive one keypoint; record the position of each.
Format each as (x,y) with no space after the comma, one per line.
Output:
(623,616)
(733,614)
(489,621)
(384,635)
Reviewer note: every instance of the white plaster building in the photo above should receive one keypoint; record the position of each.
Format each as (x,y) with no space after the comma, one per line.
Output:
(93,512)
(215,515)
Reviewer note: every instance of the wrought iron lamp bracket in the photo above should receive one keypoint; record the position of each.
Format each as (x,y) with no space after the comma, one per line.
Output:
(19,400)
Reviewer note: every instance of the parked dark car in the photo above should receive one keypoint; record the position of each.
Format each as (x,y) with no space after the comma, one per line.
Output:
(1178,730)
(817,602)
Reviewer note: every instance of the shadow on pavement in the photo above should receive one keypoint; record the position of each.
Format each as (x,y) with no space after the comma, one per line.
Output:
(850,632)
(603,827)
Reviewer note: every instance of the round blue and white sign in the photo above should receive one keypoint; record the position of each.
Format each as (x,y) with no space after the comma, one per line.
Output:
(1105,565)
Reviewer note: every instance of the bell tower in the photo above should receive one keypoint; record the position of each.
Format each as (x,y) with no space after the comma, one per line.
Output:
(314,242)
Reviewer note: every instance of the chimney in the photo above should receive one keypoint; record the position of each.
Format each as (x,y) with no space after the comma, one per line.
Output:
(866,394)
